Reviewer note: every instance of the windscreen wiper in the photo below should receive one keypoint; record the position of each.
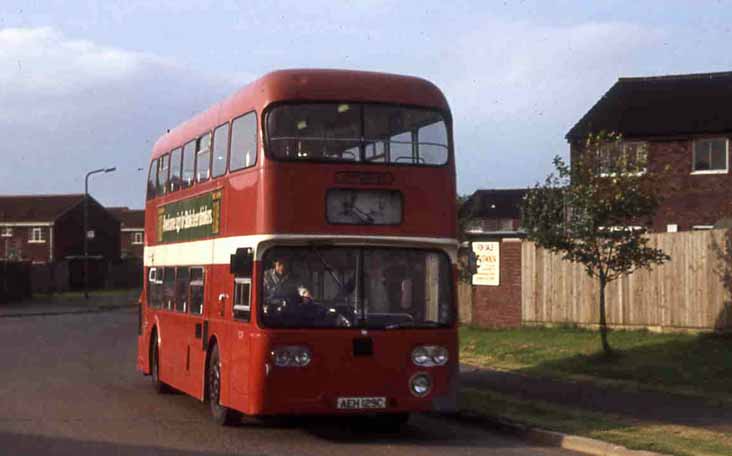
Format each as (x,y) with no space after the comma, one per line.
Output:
(328,268)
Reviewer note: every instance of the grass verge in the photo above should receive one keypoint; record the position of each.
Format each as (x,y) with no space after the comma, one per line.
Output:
(669,439)
(696,365)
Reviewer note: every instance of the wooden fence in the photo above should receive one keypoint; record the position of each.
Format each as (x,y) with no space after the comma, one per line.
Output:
(465,302)
(692,291)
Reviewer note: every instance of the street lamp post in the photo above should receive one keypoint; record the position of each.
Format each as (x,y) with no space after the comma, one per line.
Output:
(86,226)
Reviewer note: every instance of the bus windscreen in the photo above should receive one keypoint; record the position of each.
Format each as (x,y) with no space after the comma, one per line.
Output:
(353,132)
(378,288)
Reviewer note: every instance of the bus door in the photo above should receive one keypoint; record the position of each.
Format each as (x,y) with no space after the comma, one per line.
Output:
(195,330)
(240,329)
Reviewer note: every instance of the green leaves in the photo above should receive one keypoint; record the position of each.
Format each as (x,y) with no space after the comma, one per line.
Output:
(597,210)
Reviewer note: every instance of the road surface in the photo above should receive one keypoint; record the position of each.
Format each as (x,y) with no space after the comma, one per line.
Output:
(68,386)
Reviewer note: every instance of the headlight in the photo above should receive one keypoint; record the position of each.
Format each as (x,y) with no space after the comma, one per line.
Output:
(420,384)
(430,355)
(291,356)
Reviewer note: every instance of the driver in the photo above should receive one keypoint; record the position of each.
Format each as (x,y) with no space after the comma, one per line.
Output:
(279,283)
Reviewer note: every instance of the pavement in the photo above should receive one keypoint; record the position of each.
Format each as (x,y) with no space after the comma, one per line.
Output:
(70,303)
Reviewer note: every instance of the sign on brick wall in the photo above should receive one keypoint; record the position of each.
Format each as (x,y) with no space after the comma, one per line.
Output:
(488,255)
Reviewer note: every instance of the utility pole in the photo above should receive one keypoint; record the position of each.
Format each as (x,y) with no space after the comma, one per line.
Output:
(86,226)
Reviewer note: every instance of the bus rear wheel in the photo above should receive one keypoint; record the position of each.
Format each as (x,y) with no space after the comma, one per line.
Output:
(159,386)
(221,415)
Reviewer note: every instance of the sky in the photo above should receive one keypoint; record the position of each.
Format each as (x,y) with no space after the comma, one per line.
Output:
(93,84)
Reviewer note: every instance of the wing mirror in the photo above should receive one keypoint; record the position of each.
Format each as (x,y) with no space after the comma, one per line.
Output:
(242,262)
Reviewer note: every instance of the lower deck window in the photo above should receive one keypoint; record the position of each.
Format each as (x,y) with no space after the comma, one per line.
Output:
(242,292)
(196,290)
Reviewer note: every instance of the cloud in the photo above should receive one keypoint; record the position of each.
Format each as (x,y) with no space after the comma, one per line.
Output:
(521,86)
(70,105)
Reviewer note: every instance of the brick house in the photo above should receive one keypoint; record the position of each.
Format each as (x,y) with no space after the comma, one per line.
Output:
(49,228)
(492,211)
(681,123)
(492,219)
(132,231)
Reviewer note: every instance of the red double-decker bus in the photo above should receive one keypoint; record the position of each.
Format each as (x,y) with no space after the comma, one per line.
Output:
(300,250)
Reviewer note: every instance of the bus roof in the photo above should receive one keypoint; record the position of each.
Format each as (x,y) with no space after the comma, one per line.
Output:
(306,85)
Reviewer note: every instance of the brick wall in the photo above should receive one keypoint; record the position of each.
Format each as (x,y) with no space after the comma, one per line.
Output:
(500,306)
(128,247)
(692,199)
(22,247)
(689,199)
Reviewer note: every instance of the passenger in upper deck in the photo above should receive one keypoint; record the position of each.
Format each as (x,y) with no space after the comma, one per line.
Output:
(279,283)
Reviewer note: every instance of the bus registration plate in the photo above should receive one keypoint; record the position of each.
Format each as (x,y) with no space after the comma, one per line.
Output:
(361,403)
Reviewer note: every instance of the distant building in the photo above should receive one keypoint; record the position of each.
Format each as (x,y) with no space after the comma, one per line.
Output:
(132,231)
(49,228)
(681,122)
(492,213)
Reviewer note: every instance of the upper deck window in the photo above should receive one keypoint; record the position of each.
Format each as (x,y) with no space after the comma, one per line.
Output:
(152,175)
(355,132)
(162,182)
(203,158)
(189,164)
(220,148)
(243,142)
(175,162)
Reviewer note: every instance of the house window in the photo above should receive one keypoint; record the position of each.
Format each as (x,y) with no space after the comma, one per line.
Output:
(702,227)
(6,231)
(37,235)
(137,237)
(710,155)
(629,157)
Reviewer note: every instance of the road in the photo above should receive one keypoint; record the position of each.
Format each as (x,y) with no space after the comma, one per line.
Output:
(68,386)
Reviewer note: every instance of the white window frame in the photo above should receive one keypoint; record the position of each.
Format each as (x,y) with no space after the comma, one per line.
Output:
(710,171)
(624,145)
(138,237)
(248,308)
(37,236)
(7,231)
(702,227)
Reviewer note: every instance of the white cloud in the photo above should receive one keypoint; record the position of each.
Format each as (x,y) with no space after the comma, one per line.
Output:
(521,86)
(72,105)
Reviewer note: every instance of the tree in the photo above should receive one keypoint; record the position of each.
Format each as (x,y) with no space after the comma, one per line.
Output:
(597,211)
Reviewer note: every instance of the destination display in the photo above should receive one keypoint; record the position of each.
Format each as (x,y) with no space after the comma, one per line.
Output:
(190,219)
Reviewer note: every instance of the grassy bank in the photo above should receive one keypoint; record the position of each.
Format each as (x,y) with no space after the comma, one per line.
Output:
(696,365)
(669,439)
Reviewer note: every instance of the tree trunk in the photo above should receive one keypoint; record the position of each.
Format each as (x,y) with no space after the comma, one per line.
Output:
(603,320)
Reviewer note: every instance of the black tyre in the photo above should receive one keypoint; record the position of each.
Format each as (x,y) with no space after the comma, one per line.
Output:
(159,386)
(221,415)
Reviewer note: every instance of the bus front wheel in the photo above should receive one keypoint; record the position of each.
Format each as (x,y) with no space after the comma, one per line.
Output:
(221,415)
(159,386)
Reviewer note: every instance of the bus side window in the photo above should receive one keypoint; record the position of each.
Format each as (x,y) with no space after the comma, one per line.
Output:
(168,288)
(175,168)
(242,293)
(243,150)
(196,290)
(189,164)
(203,158)
(181,290)
(154,288)
(151,179)
(162,182)
(220,148)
